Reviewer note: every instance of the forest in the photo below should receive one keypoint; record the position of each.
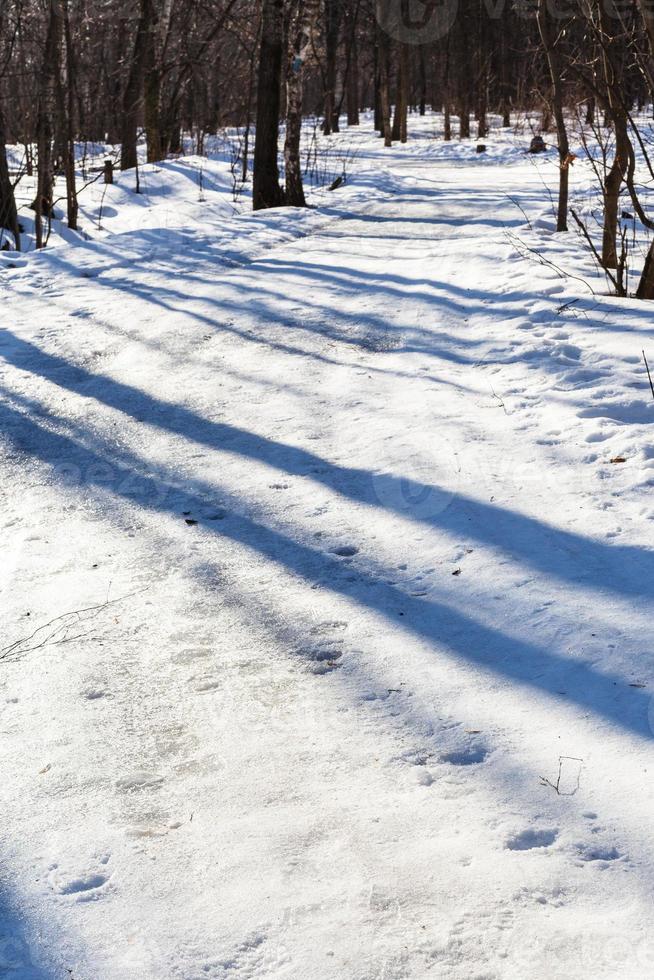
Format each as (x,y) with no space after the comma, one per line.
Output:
(74,71)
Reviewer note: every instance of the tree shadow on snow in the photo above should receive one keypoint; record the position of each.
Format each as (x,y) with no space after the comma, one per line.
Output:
(22,956)
(567,556)
(616,569)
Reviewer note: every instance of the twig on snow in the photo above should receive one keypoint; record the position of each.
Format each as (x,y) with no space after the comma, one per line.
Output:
(58,628)
(518,244)
(500,401)
(648,374)
(557,785)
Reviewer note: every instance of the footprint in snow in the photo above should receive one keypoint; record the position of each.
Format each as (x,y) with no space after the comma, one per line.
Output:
(139,780)
(189,654)
(602,854)
(208,685)
(83,885)
(329,626)
(527,840)
(630,413)
(322,656)
(95,691)
(570,351)
(345,551)
(325,649)
(419,759)
(597,436)
(471,755)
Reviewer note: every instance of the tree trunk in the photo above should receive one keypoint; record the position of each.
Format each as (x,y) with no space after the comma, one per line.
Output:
(266,192)
(613,79)
(300,33)
(333,12)
(378,123)
(463,66)
(402,96)
(647,12)
(464,116)
(384,85)
(152,91)
(612,186)
(447,119)
(248,124)
(482,103)
(447,108)
(67,122)
(157,128)
(353,84)
(482,125)
(422,81)
(504,80)
(8,215)
(556,69)
(133,94)
(646,285)
(292,165)
(47,113)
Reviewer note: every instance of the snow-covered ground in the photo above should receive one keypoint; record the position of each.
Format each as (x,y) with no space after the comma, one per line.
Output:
(353,672)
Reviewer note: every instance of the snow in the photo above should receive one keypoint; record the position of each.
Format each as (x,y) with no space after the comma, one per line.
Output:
(359,682)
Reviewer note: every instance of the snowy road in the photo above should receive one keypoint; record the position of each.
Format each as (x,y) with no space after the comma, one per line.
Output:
(362,572)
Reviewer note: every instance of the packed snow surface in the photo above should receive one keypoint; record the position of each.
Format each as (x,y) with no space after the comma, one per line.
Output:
(328,561)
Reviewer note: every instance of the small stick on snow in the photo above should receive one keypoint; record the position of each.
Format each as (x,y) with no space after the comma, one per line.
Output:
(557,785)
(61,624)
(648,374)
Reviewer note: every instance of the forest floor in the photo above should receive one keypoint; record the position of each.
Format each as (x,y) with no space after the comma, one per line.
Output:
(328,560)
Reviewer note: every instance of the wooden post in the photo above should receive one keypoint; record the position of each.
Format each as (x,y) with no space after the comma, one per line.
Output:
(108,171)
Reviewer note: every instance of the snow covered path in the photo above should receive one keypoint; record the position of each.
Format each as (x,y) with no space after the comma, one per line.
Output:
(370,573)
